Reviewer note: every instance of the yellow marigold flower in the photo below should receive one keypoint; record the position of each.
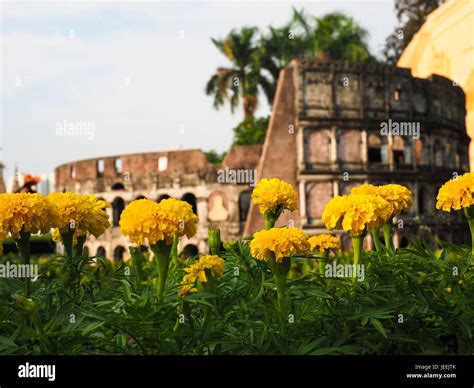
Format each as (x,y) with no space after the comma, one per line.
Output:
(365,189)
(456,193)
(398,196)
(324,243)
(81,213)
(28,212)
(140,222)
(200,271)
(187,289)
(355,212)
(282,242)
(177,218)
(272,193)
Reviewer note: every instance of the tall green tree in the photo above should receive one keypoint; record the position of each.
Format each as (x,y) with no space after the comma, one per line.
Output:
(239,82)
(411,15)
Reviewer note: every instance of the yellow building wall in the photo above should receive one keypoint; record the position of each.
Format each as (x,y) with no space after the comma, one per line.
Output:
(445,46)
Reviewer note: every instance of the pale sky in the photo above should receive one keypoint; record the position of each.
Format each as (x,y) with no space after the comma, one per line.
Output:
(125,68)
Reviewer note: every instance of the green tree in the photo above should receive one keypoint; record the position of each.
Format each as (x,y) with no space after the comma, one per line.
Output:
(257,58)
(411,15)
(251,131)
(214,157)
(240,81)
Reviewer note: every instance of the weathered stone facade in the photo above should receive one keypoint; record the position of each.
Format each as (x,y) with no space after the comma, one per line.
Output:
(325,137)
(183,174)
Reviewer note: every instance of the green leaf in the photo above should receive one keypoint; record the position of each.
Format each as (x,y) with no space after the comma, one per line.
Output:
(378,326)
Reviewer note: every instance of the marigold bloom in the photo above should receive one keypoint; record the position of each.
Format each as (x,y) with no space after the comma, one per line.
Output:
(324,243)
(356,212)
(456,193)
(177,218)
(200,271)
(27,212)
(145,221)
(81,213)
(281,242)
(140,222)
(399,197)
(270,194)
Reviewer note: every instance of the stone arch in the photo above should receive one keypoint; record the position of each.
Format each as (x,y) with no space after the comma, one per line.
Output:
(118,205)
(438,159)
(403,242)
(348,146)
(318,147)
(424,200)
(244,204)
(101,252)
(119,251)
(376,149)
(118,186)
(162,197)
(422,151)
(401,151)
(318,195)
(217,206)
(190,250)
(191,199)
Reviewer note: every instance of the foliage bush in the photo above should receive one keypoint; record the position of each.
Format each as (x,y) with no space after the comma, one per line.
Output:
(412,301)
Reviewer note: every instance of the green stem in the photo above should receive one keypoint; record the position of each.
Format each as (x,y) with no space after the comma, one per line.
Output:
(469,213)
(322,260)
(162,256)
(270,217)
(214,240)
(376,238)
(471,227)
(357,244)
(23,244)
(280,271)
(387,234)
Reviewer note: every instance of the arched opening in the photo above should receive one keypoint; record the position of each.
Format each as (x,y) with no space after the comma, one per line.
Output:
(374,150)
(318,147)
(117,208)
(217,206)
(100,252)
(401,150)
(404,242)
(85,251)
(190,250)
(244,204)
(438,153)
(140,197)
(100,167)
(423,201)
(118,186)
(162,197)
(118,253)
(191,199)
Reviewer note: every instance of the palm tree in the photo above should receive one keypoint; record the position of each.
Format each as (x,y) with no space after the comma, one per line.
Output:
(257,59)
(337,36)
(242,79)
